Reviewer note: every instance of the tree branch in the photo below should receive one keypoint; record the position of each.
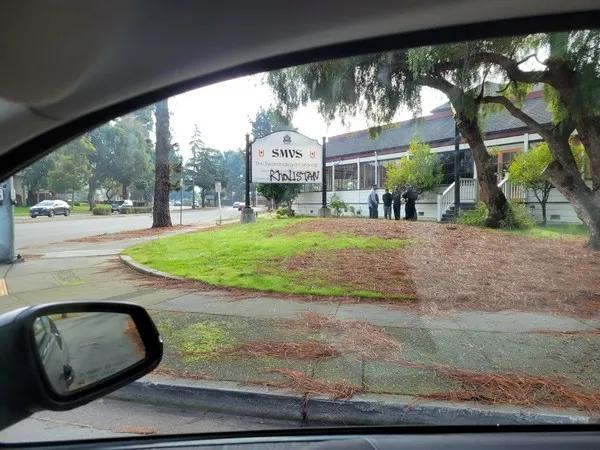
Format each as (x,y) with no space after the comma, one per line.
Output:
(518,113)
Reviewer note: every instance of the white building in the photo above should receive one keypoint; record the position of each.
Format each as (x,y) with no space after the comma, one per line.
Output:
(355,162)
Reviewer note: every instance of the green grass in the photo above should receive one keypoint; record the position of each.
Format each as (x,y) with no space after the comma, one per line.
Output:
(24,210)
(253,256)
(552,231)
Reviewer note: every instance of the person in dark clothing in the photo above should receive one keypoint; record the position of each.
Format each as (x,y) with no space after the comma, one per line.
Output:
(411,196)
(396,202)
(387,204)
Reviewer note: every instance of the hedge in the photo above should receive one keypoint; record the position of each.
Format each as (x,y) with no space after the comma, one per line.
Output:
(135,210)
(102,210)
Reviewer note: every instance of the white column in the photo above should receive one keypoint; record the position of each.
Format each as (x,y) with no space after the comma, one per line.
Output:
(358,183)
(526,142)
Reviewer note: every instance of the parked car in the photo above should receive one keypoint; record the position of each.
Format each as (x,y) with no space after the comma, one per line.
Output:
(238,205)
(50,208)
(177,203)
(117,205)
(54,354)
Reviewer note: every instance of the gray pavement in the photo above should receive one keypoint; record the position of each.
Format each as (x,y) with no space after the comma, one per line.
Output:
(44,230)
(114,418)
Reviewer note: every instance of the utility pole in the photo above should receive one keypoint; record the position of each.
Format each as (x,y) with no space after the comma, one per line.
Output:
(7,224)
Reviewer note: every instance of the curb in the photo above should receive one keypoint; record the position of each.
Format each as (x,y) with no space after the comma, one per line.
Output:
(130,262)
(232,398)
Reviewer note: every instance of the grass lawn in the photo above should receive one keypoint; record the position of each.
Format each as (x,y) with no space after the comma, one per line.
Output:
(257,256)
(83,208)
(553,231)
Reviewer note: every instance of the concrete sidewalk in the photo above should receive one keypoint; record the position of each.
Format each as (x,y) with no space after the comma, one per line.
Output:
(472,340)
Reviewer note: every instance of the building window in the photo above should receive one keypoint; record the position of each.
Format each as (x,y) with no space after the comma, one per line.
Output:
(346,177)
(367,174)
(465,168)
(328,179)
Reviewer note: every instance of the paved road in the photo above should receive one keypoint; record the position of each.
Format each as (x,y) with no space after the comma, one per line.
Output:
(112,418)
(45,230)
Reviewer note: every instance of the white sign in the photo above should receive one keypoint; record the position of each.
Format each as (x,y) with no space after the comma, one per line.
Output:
(286,157)
(218,186)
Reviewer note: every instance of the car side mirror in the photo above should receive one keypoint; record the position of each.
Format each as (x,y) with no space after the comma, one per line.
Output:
(63,355)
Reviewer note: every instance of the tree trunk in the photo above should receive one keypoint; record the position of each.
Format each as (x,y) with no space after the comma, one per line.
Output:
(124,193)
(491,194)
(193,197)
(544,213)
(161,216)
(72,198)
(91,197)
(202,196)
(585,202)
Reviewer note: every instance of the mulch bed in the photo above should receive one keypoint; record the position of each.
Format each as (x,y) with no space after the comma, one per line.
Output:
(455,267)
(133,234)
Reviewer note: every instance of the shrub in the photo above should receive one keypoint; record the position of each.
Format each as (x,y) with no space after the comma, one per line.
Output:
(518,216)
(475,217)
(338,205)
(135,210)
(284,212)
(102,210)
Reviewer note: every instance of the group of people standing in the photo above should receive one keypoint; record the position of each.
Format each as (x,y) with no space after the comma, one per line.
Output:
(392,202)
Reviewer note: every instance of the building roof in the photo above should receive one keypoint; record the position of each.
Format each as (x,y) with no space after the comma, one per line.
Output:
(433,129)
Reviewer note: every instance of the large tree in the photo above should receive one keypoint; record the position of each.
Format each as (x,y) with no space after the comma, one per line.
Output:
(161,216)
(379,85)
(71,166)
(568,66)
(35,177)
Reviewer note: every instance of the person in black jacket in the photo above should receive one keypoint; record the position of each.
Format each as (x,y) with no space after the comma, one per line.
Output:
(387,204)
(396,203)
(411,196)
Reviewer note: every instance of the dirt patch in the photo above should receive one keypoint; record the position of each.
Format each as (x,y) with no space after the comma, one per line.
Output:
(456,267)
(133,234)
(384,271)
(296,350)
(513,389)
(355,337)
(310,387)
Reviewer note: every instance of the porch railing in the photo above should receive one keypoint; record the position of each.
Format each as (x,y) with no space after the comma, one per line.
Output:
(469,190)
(445,201)
(511,190)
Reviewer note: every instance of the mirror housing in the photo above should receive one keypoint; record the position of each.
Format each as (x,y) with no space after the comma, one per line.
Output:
(25,386)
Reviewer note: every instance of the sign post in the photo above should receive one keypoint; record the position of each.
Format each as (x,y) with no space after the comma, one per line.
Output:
(248,215)
(324,211)
(218,189)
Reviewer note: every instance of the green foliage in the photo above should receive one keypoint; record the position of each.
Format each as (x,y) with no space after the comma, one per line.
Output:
(135,210)
(421,169)
(280,193)
(517,218)
(268,121)
(527,169)
(71,166)
(35,177)
(102,210)
(475,217)
(251,256)
(338,205)
(205,166)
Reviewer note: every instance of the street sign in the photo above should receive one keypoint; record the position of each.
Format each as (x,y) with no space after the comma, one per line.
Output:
(218,187)
(286,157)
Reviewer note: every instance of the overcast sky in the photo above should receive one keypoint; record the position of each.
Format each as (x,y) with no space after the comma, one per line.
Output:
(223,111)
